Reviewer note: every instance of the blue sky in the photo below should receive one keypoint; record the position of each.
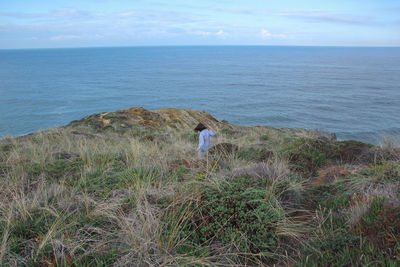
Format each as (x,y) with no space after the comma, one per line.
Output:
(85,23)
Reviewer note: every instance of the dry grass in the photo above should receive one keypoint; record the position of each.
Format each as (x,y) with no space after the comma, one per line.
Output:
(6,232)
(111,205)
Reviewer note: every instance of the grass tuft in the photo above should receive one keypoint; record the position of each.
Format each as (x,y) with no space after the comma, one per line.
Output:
(140,197)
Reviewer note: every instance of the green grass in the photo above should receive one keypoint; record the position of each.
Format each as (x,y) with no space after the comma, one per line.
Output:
(140,197)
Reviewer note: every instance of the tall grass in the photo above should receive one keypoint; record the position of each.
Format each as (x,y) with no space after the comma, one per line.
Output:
(69,198)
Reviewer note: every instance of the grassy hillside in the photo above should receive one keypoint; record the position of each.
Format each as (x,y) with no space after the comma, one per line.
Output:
(94,195)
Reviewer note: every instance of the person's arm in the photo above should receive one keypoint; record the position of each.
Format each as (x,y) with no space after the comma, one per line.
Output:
(201,141)
(211,131)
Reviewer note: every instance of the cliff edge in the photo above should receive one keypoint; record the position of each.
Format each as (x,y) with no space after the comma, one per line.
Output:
(125,119)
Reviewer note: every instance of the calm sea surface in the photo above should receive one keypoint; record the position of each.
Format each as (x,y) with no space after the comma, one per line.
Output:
(354,92)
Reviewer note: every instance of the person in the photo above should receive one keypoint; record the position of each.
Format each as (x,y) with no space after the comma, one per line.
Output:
(204,139)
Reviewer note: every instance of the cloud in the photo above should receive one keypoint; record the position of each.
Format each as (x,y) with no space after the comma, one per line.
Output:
(221,33)
(73,23)
(188,22)
(319,16)
(66,13)
(266,34)
(127,14)
(281,36)
(5,25)
(157,16)
(202,33)
(71,13)
(311,15)
(65,37)
(237,10)
(20,15)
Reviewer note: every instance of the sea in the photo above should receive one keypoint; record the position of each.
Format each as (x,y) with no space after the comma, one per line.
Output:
(351,91)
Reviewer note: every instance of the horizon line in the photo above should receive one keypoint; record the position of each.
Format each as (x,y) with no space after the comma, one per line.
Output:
(216,45)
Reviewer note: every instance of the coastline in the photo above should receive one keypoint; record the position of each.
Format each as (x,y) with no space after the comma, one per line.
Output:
(379,139)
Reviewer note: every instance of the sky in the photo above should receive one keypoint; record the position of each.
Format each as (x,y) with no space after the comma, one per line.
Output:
(97,23)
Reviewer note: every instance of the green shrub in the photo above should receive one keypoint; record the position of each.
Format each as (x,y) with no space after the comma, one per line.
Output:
(251,154)
(348,151)
(240,213)
(307,155)
(373,242)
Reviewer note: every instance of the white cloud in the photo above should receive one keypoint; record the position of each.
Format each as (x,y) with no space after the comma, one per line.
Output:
(266,34)
(221,33)
(327,17)
(64,37)
(202,33)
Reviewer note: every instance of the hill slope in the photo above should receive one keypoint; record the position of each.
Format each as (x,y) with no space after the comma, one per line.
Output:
(125,188)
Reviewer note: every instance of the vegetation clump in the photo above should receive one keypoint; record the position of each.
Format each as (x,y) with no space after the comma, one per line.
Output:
(237,212)
(307,155)
(114,190)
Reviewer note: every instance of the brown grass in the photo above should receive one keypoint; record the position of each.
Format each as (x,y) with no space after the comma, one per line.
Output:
(127,216)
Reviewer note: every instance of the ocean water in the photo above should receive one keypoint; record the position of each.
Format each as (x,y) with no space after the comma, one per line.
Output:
(354,92)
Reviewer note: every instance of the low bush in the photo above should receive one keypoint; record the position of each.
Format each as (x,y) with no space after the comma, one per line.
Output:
(307,155)
(254,154)
(385,172)
(243,214)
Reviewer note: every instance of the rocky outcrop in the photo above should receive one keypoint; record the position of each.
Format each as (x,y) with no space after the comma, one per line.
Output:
(132,118)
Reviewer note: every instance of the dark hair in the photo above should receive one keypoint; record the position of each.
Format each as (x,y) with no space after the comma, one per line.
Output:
(200,127)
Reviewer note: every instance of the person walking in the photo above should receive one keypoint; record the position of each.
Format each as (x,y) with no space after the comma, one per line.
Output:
(204,139)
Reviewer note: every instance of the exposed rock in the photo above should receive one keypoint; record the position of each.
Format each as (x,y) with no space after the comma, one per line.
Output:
(131,118)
